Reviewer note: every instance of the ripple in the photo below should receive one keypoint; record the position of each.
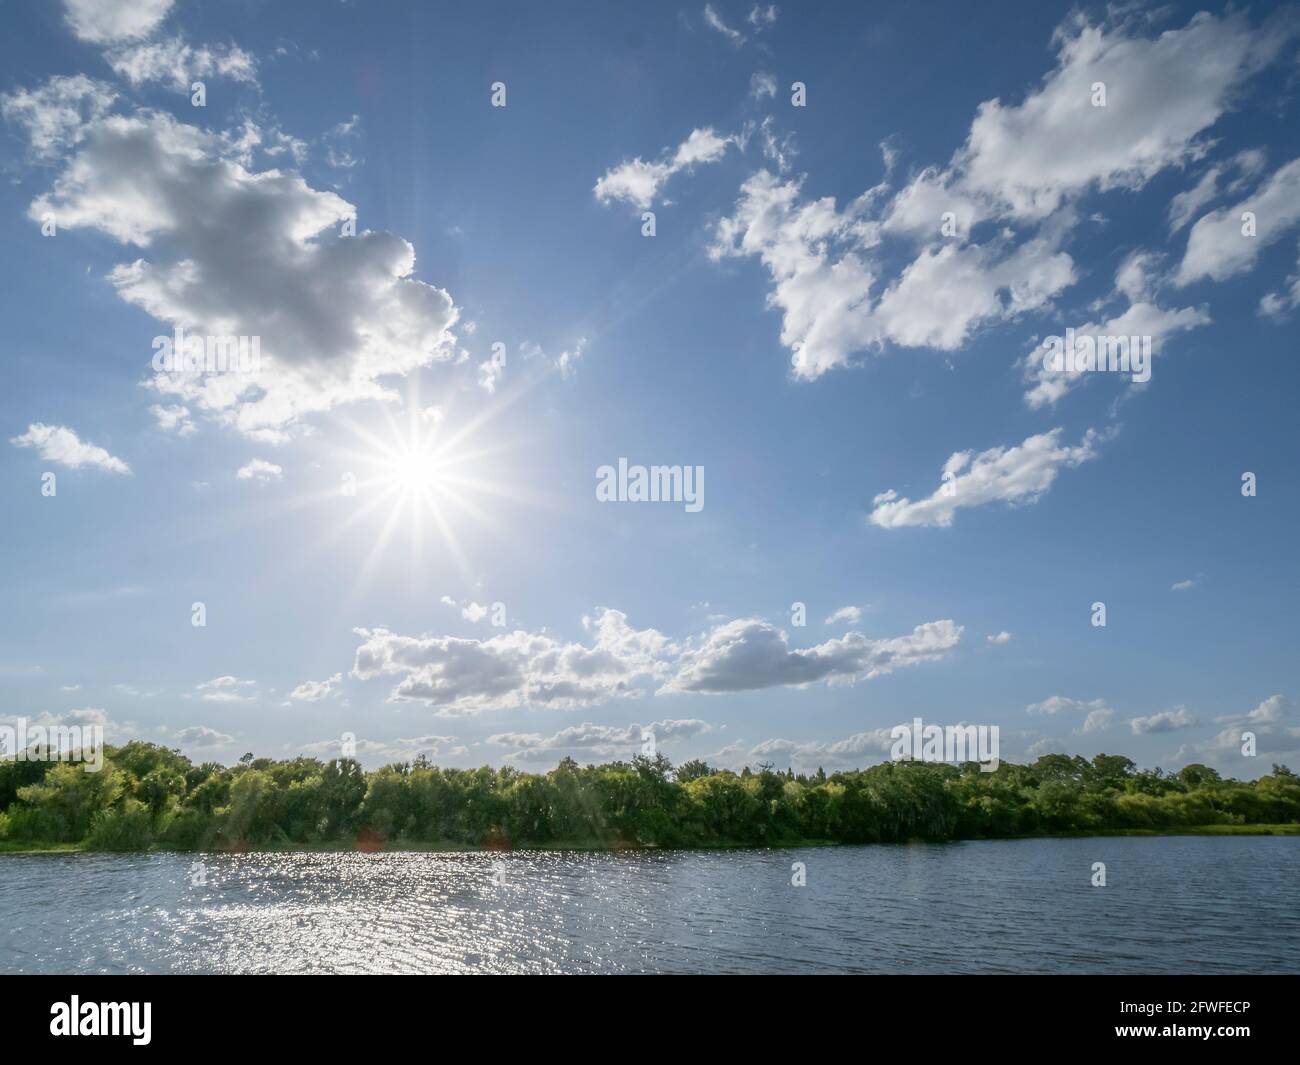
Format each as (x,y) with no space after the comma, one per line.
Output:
(1180,904)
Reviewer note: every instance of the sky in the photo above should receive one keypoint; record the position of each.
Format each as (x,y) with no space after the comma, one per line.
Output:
(813,256)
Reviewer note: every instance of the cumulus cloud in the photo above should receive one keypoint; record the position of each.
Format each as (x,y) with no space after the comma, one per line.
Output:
(823,273)
(106,21)
(638,182)
(1277,304)
(997,639)
(469,610)
(236,251)
(850,614)
(174,419)
(1060,704)
(1097,721)
(467,676)
(1268,726)
(115,732)
(1022,170)
(1142,318)
(1162,93)
(312,691)
(603,741)
(1219,246)
(1165,721)
(1272,710)
(1187,204)
(259,470)
(55,115)
(851,751)
(225,689)
(749,653)
(58,443)
(202,736)
(1018,475)
(401,749)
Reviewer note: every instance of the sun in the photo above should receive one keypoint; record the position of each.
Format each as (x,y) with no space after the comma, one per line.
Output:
(420,490)
(416,469)
(423,476)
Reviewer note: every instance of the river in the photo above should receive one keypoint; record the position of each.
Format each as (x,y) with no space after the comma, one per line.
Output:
(1170,905)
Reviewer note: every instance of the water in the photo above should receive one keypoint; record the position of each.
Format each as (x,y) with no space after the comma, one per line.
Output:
(1180,904)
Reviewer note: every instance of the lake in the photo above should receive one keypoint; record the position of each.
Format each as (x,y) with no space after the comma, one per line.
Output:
(1170,905)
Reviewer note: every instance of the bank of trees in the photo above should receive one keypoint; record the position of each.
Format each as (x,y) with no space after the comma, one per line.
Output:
(150,796)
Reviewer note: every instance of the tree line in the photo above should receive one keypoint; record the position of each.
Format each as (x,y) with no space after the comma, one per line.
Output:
(147,796)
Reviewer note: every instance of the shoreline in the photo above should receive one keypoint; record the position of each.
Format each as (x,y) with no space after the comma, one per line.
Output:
(450,847)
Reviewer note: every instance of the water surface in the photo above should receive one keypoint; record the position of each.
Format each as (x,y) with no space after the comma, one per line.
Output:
(1171,905)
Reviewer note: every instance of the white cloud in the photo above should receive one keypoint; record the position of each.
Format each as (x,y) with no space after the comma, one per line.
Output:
(763,16)
(225,689)
(1142,318)
(1023,166)
(999,638)
(105,21)
(238,252)
(567,360)
(850,614)
(373,751)
(260,470)
(58,443)
(1162,93)
(201,736)
(1218,248)
(1060,704)
(1272,710)
(469,610)
(762,84)
(779,148)
(312,691)
(174,419)
(467,676)
(1266,723)
(749,654)
(490,373)
(1165,721)
(823,274)
(56,114)
(1278,304)
(1184,206)
(638,182)
(1183,585)
(714,21)
(604,741)
(853,750)
(1097,721)
(178,64)
(115,732)
(1019,475)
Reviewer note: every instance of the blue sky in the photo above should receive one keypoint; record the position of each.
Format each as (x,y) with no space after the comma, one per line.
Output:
(801,325)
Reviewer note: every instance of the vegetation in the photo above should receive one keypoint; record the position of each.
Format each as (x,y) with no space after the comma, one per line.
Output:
(146,796)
